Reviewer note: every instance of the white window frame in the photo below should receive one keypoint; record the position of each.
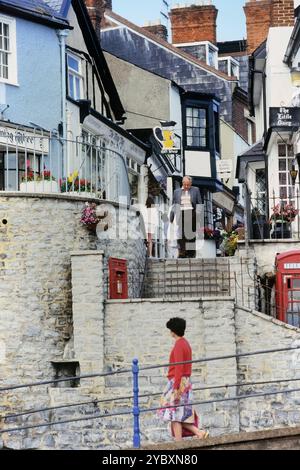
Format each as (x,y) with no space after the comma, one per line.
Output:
(12,53)
(230,60)
(208,45)
(75,74)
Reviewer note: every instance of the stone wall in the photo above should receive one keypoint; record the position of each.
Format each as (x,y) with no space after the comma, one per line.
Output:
(124,239)
(38,233)
(243,270)
(137,329)
(257,332)
(265,252)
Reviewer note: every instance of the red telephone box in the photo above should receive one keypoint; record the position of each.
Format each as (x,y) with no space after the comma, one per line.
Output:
(118,278)
(288,287)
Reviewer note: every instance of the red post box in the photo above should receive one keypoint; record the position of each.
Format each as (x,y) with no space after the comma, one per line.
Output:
(288,287)
(118,278)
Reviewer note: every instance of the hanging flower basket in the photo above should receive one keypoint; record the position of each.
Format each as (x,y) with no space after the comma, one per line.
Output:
(89,217)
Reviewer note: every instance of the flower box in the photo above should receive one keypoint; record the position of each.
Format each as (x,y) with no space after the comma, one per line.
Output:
(39,187)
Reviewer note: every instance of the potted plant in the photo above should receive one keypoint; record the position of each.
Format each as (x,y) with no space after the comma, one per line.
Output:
(89,216)
(75,186)
(39,182)
(282,217)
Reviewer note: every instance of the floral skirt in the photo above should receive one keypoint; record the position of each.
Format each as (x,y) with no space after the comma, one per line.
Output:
(183,412)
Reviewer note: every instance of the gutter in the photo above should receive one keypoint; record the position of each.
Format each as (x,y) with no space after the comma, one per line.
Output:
(293,45)
(50,21)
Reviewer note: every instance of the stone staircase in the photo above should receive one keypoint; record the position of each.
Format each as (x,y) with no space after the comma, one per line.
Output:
(181,278)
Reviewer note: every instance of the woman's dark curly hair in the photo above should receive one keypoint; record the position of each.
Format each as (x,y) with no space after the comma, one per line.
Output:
(177,325)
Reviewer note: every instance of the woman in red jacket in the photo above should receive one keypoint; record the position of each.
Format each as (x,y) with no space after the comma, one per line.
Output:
(183,418)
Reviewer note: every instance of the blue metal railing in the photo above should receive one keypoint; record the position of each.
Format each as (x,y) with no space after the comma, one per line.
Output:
(136,410)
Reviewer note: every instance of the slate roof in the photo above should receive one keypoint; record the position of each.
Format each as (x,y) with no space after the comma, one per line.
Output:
(55,4)
(36,8)
(253,154)
(111,16)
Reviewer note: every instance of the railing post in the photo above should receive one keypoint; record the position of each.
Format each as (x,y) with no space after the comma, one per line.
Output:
(136,409)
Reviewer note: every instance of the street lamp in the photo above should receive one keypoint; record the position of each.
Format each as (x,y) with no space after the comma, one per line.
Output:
(295,76)
(293,171)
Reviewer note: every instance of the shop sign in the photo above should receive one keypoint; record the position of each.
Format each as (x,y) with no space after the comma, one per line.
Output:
(23,139)
(284,117)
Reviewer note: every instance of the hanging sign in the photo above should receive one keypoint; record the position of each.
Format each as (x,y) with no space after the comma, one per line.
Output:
(284,117)
(167,140)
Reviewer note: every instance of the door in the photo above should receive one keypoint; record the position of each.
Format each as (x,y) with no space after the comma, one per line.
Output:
(292,299)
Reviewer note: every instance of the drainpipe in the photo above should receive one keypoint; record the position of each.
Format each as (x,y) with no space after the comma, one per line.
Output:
(264,90)
(62,35)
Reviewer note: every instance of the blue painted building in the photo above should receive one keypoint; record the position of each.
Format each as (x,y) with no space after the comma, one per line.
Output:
(31,89)
(59,106)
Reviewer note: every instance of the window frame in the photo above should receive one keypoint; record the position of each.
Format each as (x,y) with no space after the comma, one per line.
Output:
(75,74)
(230,63)
(288,186)
(12,78)
(202,107)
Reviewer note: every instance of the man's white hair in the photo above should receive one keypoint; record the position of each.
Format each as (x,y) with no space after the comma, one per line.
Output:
(187,178)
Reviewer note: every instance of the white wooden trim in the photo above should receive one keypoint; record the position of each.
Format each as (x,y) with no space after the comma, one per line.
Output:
(12,56)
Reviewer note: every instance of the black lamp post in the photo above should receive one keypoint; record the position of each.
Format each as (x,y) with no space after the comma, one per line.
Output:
(293,171)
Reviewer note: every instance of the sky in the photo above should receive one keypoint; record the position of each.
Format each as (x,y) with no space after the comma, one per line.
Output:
(231,23)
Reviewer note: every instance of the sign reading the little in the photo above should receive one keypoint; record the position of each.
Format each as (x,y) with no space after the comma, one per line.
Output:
(23,139)
(284,117)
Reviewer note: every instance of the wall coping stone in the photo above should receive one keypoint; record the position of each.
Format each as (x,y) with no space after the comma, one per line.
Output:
(268,318)
(87,252)
(65,197)
(227,439)
(270,241)
(162,299)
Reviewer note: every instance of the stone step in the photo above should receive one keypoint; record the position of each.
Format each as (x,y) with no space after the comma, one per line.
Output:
(179,292)
(174,287)
(187,275)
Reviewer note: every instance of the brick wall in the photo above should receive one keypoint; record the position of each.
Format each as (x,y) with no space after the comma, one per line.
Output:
(263,14)
(239,122)
(194,23)
(159,30)
(282,13)
(96,10)
(258,20)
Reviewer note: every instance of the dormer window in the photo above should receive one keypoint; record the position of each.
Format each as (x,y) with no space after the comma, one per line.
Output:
(230,66)
(204,50)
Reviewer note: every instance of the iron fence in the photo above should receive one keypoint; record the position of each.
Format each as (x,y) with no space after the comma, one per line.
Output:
(49,164)
(282,221)
(243,390)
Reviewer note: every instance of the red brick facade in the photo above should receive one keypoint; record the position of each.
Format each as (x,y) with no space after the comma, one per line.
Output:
(158,30)
(194,24)
(283,13)
(263,14)
(239,122)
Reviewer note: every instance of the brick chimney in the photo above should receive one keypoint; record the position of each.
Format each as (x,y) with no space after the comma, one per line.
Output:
(96,10)
(264,14)
(157,29)
(194,23)
(283,13)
